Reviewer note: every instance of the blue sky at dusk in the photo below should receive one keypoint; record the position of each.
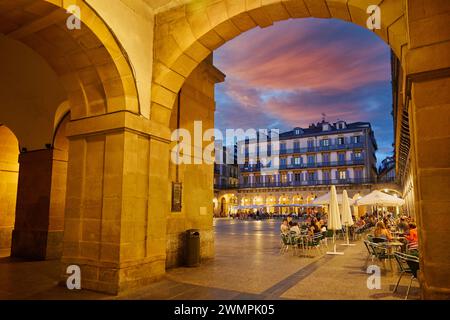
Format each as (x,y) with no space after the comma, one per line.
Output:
(288,74)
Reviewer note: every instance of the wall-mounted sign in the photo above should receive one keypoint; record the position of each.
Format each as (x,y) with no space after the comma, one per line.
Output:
(176,196)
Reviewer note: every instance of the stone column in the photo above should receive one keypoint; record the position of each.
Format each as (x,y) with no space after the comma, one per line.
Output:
(196,104)
(38,228)
(9,171)
(427,69)
(117,201)
(430,153)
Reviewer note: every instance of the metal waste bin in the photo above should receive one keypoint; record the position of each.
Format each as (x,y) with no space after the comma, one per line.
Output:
(192,247)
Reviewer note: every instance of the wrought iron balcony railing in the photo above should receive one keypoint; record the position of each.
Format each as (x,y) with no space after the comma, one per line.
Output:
(313,165)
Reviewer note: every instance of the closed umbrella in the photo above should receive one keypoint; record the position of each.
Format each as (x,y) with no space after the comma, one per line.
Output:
(334,218)
(347,219)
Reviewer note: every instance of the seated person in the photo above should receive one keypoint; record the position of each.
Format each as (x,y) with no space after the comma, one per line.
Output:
(284,228)
(360,223)
(412,236)
(382,232)
(295,228)
(403,226)
(314,227)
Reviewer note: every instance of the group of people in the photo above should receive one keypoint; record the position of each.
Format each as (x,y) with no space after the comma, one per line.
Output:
(312,225)
(407,230)
(405,227)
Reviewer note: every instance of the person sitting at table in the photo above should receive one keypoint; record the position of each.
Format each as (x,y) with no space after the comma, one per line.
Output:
(381,231)
(314,227)
(295,228)
(412,236)
(360,222)
(284,228)
(402,226)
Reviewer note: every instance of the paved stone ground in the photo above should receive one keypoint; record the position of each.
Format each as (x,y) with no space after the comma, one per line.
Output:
(248,265)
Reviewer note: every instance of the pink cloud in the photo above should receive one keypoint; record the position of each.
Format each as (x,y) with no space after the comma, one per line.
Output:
(289,57)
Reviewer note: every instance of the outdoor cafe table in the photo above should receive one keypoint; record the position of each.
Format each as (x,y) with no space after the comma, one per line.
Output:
(392,245)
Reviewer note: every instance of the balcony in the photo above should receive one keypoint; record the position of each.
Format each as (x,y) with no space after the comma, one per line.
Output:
(226,186)
(315,165)
(335,147)
(307,183)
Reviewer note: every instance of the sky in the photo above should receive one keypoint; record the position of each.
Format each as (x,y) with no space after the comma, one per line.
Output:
(289,74)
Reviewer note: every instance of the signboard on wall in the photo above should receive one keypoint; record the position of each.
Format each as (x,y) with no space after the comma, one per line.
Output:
(176,196)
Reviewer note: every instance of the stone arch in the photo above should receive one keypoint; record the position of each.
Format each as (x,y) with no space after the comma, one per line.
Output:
(89,62)
(187,34)
(9,171)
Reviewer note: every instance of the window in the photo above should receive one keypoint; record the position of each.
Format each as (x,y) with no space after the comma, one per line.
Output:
(326,142)
(297,161)
(340,141)
(283,161)
(326,157)
(297,176)
(326,175)
(282,147)
(357,155)
(311,143)
(311,159)
(356,139)
(283,178)
(342,175)
(296,146)
(311,176)
(341,157)
(297,131)
(245,180)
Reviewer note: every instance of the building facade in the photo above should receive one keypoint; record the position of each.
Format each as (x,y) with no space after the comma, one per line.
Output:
(323,154)
(297,166)
(386,172)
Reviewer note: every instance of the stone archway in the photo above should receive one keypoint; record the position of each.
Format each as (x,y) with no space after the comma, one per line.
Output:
(9,171)
(89,62)
(107,202)
(185,35)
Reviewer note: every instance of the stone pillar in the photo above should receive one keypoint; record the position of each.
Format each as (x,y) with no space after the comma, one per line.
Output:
(197,104)
(9,171)
(117,201)
(427,74)
(38,228)
(429,116)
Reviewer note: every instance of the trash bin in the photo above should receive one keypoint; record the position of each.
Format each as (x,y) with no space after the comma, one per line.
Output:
(193,248)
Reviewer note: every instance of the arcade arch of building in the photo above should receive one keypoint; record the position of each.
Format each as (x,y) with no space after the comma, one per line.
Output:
(123,94)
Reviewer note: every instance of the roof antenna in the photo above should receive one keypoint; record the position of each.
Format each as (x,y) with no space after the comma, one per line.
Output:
(323,117)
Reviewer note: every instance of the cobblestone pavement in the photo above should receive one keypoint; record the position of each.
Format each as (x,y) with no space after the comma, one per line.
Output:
(248,265)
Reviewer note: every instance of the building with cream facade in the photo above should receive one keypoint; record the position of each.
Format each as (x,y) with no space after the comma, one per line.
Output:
(296,166)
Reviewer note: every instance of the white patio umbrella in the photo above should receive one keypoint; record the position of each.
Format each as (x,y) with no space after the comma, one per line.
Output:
(347,219)
(378,198)
(325,199)
(334,218)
